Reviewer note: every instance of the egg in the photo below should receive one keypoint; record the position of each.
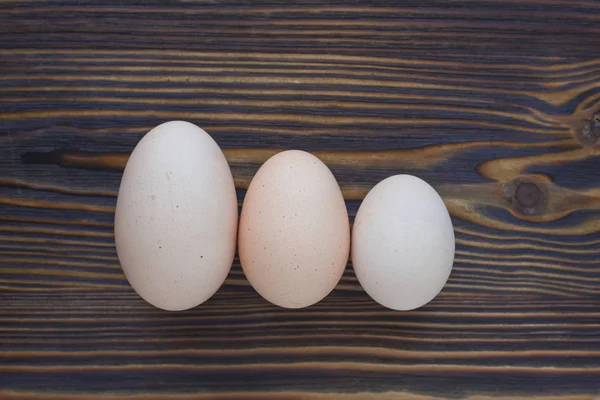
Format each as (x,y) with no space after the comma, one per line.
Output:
(402,243)
(294,234)
(176,217)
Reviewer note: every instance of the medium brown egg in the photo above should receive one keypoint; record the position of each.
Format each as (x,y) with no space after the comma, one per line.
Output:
(294,235)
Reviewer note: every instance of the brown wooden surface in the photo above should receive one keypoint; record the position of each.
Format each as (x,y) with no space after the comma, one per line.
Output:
(495,103)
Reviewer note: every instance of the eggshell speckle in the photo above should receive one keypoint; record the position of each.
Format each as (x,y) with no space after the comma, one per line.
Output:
(402,243)
(176,217)
(294,235)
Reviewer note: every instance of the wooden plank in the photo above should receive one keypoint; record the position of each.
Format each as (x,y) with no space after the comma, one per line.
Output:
(496,104)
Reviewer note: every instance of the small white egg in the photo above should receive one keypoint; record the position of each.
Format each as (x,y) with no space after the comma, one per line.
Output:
(402,243)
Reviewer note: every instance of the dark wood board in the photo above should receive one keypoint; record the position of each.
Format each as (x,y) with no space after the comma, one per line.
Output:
(495,103)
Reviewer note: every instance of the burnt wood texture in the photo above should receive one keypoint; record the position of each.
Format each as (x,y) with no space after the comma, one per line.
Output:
(495,103)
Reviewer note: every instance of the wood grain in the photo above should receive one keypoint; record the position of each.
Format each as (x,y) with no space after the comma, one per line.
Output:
(496,104)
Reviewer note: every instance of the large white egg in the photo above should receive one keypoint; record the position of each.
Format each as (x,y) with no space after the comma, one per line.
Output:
(176,217)
(402,243)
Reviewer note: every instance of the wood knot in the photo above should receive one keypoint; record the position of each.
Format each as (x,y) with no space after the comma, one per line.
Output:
(527,196)
(590,133)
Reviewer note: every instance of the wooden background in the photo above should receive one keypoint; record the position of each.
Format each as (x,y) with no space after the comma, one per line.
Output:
(495,103)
